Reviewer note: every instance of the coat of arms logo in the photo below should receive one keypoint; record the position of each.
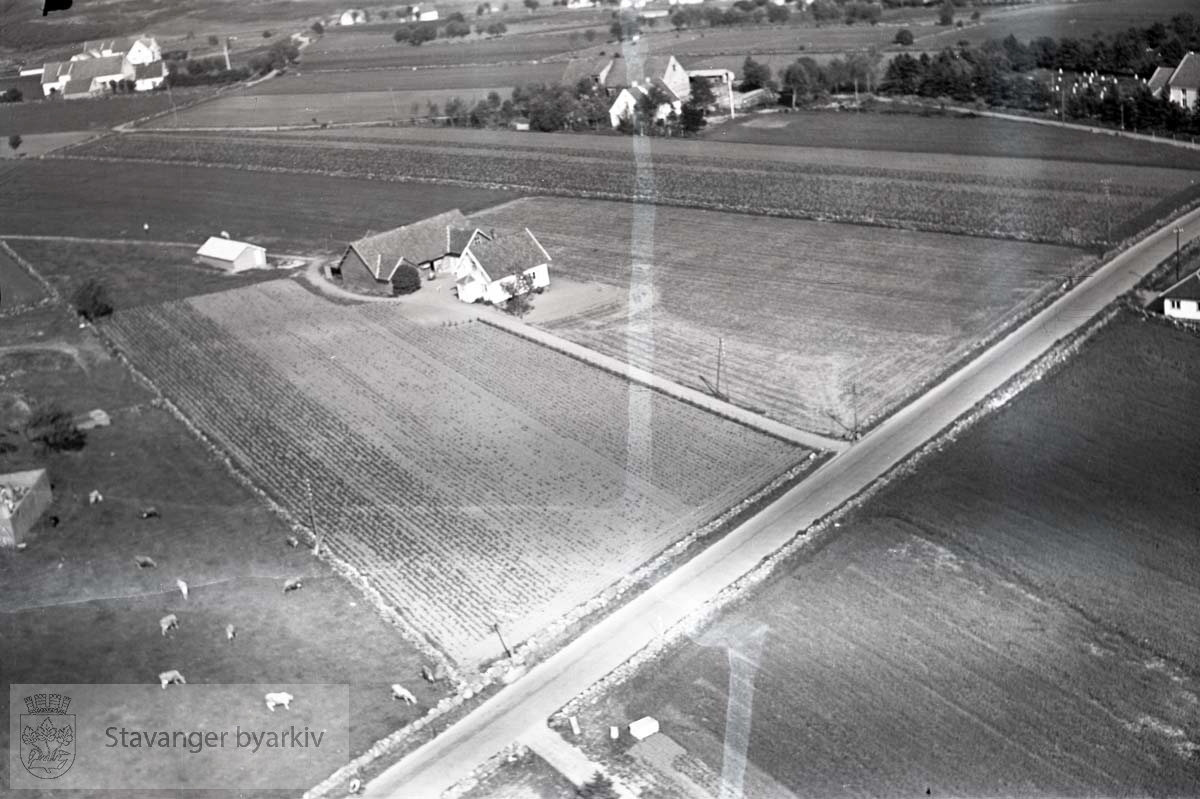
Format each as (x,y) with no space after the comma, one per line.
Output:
(47,736)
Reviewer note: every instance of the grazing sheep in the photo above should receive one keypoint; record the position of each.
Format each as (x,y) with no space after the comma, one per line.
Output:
(170,678)
(183,589)
(230,632)
(168,623)
(434,675)
(294,584)
(279,698)
(144,562)
(402,693)
(292,541)
(95,497)
(150,513)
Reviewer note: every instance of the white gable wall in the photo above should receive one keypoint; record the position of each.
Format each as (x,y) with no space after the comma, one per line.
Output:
(1182,309)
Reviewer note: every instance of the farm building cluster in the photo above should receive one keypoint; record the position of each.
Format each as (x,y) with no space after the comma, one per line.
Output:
(413,13)
(630,82)
(1180,84)
(486,265)
(104,66)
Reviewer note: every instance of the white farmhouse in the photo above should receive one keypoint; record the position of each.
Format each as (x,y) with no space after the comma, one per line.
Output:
(490,261)
(138,50)
(353,16)
(426,14)
(231,256)
(626,103)
(85,77)
(1184,83)
(149,76)
(1182,301)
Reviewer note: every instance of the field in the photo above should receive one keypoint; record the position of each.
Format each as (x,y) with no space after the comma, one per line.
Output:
(51,116)
(304,109)
(17,288)
(1028,593)
(386,80)
(141,273)
(819,320)
(283,212)
(474,477)
(76,609)
(951,134)
(1079,20)
(356,52)
(1052,201)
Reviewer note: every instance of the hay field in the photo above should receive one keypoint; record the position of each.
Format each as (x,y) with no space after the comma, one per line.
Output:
(1029,592)
(382,80)
(819,320)
(473,477)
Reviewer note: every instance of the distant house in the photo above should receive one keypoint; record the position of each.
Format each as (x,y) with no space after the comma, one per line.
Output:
(489,263)
(1158,81)
(1182,301)
(231,256)
(426,13)
(626,81)
(625,104)
(85,77)
(1184,83)
(371,264)
(149,76)
(354,16)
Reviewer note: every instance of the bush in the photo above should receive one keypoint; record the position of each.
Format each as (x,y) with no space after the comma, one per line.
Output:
(778,14)
(14,141)
(598,787)
(213,41)
(318,28)
(904,37)
(91,300)
(406,280)
(11,96)
(54,428)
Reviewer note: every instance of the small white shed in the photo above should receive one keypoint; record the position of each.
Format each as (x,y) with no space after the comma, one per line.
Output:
(232,256)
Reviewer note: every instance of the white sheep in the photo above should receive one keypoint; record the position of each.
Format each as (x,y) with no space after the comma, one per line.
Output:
(230,632)
(171,677)
(168,623)
(183,589)
(294,584)
(279,698)
(144,562)
(403,694)
(292,541)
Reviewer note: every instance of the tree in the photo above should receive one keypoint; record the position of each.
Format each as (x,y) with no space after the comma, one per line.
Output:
(778,14)
(213,41)
(54,428)
(268,34)
(590,34)
(702,93)
(406,280)
(318,28)
(598,787)
(904,37)
(691,118)
(12,95)
(946,13)
(91,300)
(520,286)
(14,141)
(755,75)
(531,5)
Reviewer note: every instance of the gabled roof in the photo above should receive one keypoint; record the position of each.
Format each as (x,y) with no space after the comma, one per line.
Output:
(115,45)
(579,68)
(503,253)
(155,69)
(625,73)
(459,238)
(54,70)
(97,68)
(75,87)
(418,243)
(1187,74)
(223,249)
(1159,78)
(1186,289)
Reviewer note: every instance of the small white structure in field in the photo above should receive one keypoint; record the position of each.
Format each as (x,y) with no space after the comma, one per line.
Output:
(231,256)
(1182,301)
(643,728)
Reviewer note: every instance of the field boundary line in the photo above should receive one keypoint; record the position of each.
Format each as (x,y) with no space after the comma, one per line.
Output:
(91,240)
(670,388)
(46,285)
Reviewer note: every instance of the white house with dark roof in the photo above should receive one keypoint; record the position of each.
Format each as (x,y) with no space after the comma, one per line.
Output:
(86,76)
(149,76)
(1184,83)
(136,50)
(1182,301)
(486,269)
(628,81)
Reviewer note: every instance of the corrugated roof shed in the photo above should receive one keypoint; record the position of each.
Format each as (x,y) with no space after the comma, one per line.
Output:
(503,253)
(222,248)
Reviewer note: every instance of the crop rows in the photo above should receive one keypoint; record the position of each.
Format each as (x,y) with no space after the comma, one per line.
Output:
(1020,207)
(469,475)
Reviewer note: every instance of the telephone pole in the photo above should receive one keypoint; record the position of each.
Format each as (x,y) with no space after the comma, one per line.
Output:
(312,517)
(720,352)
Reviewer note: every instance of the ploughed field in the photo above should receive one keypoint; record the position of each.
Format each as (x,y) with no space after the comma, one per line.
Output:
(1028,199)
(1028,593)
(471,476)
(819,320)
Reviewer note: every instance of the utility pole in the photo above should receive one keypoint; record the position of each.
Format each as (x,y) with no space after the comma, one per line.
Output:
(720,352)
(1107,183)
(729,85)
(496,627)
(1177,231)
(854,405)
(227,64)
(312,517)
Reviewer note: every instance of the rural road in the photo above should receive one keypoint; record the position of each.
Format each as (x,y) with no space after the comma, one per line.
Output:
(439,764)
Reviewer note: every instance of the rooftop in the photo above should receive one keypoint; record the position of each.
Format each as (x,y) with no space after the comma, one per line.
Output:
(418,243)
(1187,74)
(503,253)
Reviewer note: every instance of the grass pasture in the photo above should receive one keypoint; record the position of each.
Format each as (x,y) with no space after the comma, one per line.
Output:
(139,273)
(283,212)
(816,317)
(237,110)
(54,116)
(17,287)
(1028,199)
(1028,592)
(472,476)
(950,134)
(76,609)
(346,51)
(404,80)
